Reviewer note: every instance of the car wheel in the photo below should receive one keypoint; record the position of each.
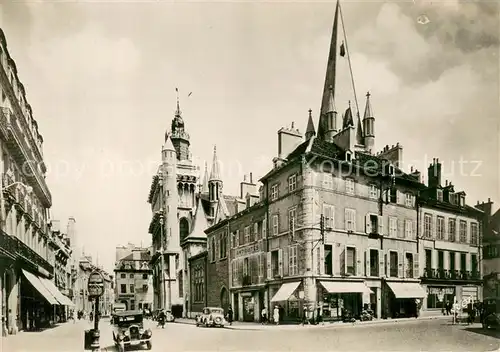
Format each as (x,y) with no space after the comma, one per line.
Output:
(149,345)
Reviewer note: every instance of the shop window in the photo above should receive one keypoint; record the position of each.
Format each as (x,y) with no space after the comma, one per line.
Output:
(374,262)
(328,259)
(393,268)
(438,296)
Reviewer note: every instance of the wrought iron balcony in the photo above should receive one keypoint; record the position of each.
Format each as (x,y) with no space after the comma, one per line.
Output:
(450,274)
(19,250)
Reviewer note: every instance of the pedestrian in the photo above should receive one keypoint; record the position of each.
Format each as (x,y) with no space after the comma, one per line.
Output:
(276,315)
(263,315)
(448,308)
(74,316)
(319,317)
(230,315)
(91,316)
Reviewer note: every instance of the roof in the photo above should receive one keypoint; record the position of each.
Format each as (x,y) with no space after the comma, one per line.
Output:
(200,222)
(145,256)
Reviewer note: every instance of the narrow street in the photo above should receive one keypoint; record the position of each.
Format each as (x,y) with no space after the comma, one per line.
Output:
(421,335)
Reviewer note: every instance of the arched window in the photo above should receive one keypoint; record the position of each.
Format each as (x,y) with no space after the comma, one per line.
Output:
(183,228)
(224,299)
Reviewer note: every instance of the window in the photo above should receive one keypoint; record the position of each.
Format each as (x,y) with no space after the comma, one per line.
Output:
(393,270)
(437,296)
(473,233)
(212,249)
(440,228)
(408,229)
(132,288)
(223,246)
(328,259)
(439,195)
(291,221)
(292,183)
(393,195)
(350,219)
(183,228)
(123,288)
(452,261)
(409,200)
(144,288)
(274,192)
(292,261)
(181,285)
(427,225)
(428,259)
(247,234)
(349,185)
(373,222)
(132,304)
(262,258)
(131,276)
(373,191)
(275,224)
(240,238)
(474,263)
(351,261)
(275,263)
(374,263)
(463,231)
(327,180)
(440,260)
(144,276)
(409,265)
(452,230)
(123,276)
(328,215)
(393,226)
(463,262)
(245,267)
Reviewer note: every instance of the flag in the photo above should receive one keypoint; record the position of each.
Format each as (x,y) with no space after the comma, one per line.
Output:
(190,94)
(177,90)
(342,49)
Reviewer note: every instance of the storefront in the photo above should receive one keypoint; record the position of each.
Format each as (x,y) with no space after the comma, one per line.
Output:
(248,304)
(403,299)
(289,298)
(338,298)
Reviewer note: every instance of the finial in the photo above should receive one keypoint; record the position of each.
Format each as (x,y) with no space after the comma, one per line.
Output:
(368,94)
(293,124)
(310,112)
(178,111)
(349,104)
(215,148)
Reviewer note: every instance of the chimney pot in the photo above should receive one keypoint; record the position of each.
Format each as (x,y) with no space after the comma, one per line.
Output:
(251,178)
(411,169)
(244,178)
(437,160)
(489,200)
(293,123)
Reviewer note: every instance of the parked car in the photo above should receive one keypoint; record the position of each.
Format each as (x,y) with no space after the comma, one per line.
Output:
(168,313)
(128,330)
(211,317)
(491,313)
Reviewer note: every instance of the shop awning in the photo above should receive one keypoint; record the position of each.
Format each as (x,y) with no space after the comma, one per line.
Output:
(345,287)
(37,284)
(285,291)
(63,300)
(407,289)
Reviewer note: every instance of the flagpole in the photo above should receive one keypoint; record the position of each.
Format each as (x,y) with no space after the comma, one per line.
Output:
(349,59)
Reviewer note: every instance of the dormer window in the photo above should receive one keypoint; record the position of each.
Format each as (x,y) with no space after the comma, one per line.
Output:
(452,198)
(462,201)
(439,195)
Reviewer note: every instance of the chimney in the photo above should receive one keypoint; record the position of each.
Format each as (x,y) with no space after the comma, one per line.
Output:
(486,207)
(56,225)
(417,175)
(136,254)
(247,187)
(288,140)
(434,174)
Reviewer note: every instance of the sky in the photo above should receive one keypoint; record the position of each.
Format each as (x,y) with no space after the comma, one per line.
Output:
(101,78)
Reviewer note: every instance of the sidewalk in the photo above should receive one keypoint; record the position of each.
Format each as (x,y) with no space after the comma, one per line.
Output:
(239,325)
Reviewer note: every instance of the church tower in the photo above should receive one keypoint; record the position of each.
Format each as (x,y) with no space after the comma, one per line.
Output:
(180,138)
(171,200)
(214,184)
(369,124)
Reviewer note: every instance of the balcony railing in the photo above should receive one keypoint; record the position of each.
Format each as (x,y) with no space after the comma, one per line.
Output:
(451,274)
(19,250)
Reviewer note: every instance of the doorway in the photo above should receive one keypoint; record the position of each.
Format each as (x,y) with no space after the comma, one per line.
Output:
(236,310)
(224,299)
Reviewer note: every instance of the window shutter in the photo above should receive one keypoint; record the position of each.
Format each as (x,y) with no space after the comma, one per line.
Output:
(264,228)
(342,262)
(353,218)
(367,262)
(321,259)
(413,200)
(269,268)
(416,269)
(368,225)
(386,265)
(398,197)
(413,224)
(359,262)
(280,262)
(286,261)
(400,265)
(346,217)
(401,228)
(256,232)
(380,263)
(380,225)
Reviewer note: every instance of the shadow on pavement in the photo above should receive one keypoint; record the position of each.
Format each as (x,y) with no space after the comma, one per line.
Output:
(487,332)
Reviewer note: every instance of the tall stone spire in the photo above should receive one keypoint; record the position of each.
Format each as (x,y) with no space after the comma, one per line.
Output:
(204,185)
(310,131)
(348,120)
(369,124)
(330,77)
(215,172)
(359,132)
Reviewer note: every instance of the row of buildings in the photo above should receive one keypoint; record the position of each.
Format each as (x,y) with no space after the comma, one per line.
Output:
(39,266)
(333,227)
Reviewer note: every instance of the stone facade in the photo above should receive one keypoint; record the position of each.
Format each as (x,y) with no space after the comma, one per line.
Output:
(491,250)
(198,284)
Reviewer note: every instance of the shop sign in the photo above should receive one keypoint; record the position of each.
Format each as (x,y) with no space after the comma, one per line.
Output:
(247,250)
(441,291)
(95,284)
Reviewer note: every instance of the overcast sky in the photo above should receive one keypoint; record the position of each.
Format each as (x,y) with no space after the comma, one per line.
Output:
(101,78)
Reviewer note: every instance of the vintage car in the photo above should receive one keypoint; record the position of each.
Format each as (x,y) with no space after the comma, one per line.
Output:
(491,313)
(128,330)
(168,314)
(211,316)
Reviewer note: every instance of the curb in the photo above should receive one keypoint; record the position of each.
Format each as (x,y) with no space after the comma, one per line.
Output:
(325,325)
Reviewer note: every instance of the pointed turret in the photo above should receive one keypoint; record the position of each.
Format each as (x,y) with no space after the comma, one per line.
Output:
(310,131)
(329,86)
(359,132)
(369,124)
(168,150)
(204,185)
(348,121)
(330,118)
(214,184)
(200,223)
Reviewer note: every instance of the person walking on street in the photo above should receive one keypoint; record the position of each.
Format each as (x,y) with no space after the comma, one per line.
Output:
(91,316)
(276,315)
(230,315)
(263,315)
